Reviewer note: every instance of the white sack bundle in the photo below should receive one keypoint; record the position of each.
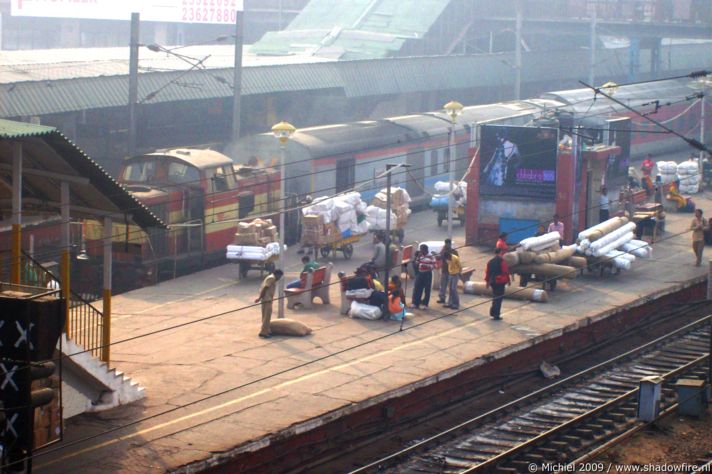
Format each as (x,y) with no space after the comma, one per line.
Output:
(613,245)
(542,241)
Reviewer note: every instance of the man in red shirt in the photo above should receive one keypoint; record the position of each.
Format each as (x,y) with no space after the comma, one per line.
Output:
(502,243)
(496,277)
(425,263)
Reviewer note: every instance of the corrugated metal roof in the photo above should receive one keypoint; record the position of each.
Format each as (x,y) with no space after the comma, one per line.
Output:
(10,129)
(357,29)
(47,150)
(363,78)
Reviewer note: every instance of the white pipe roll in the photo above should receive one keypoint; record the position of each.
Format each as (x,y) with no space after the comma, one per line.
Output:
(603,228)
(641,251)
(613,236)
(613,245)
(542,240)
(618,254)
(621,263)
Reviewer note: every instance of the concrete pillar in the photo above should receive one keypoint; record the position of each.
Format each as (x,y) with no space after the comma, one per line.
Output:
(518,51)
(106,327)
(592,47)
(16,212)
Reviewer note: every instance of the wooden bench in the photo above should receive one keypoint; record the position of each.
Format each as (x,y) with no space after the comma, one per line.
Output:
(314,284)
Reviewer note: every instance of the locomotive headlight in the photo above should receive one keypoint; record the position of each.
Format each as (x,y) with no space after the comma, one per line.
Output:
(283,131)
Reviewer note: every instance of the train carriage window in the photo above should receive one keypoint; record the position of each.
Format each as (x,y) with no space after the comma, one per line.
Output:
(182,173)
(433,162)
(140,171)
(345,170)
(446,162)
(246,204)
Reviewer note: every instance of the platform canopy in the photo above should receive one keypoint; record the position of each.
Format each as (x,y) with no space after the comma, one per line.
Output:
(48,159)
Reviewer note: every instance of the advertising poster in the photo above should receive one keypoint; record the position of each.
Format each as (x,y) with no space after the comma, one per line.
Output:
(518,161)
(176,11)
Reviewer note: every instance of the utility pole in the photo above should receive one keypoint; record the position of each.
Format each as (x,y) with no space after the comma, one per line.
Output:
(133,80)
(518,51)
(237,80)
(592,46)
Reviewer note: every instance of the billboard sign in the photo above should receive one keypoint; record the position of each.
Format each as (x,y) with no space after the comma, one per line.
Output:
(518,161)
(174,11)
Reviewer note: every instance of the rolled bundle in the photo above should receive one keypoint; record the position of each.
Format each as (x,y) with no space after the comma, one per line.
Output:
(618,254)
(542,241)
(576,262)
(525,257)
(584,244)
(613,245)
(612,236)
(621,263)
(639,248)
(556,256)
(547,247)
(548,270)
(605,227)
(530,294)
(512,259)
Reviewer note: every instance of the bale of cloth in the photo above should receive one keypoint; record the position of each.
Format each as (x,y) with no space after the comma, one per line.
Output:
(551,270)
(527,294)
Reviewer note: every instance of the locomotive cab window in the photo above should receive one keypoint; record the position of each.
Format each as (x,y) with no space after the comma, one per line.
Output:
(182,173)
(140,171)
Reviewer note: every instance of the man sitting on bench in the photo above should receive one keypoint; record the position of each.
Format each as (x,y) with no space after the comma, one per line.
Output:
(308,265)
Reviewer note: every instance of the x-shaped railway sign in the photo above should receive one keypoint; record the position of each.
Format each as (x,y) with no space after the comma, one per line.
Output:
(10,425)
(24,335)
(9,374)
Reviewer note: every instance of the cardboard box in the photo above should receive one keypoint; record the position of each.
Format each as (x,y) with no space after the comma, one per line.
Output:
(313,220)
(270,232)
(247,239)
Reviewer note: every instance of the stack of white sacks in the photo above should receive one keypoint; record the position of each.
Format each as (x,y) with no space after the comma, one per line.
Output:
(400,209)
(689,174)
(614,240)
(252,252)
(667,170)
(459,192)
(344,210)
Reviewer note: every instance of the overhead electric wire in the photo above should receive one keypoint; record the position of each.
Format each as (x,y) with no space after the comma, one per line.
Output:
(281,372)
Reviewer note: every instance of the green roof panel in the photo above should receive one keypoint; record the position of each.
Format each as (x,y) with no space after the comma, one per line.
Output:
(11,129)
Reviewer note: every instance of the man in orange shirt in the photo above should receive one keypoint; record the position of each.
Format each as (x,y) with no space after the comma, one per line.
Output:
(496,277)
(502,243)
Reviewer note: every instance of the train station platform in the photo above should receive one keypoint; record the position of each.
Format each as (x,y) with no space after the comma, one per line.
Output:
(216,393)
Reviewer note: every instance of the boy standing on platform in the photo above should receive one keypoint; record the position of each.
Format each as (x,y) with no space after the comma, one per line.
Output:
(698,226)
(454,269)
(444,274)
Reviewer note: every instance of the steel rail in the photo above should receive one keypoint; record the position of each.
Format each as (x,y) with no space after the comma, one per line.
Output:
(591,414)
(385,461)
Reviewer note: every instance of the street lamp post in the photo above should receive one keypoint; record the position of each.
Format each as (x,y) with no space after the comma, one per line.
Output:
(453,109)
(283,131)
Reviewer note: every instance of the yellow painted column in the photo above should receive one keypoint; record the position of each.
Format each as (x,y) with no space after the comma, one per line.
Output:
(16,253)
(107,266)
(66,291)
(106,327)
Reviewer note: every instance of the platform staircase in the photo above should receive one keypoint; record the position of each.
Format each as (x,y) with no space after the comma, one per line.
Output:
(89,384)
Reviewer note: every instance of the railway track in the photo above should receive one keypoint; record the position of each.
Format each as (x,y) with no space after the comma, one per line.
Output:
(564,423)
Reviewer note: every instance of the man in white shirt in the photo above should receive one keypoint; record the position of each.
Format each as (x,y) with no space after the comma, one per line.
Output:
(604,206)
